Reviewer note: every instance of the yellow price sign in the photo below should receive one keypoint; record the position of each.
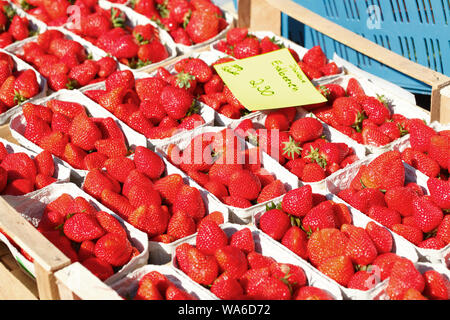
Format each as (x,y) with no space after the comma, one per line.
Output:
(272,80)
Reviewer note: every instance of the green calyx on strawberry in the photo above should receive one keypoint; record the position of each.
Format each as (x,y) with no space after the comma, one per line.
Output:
(10,12)
(25,5)
(135,63)
(117,19)
(183,80)
(291,149)
(72,84)
(140,39)
(187,18)
(162,9)
(361,116)
(18,98)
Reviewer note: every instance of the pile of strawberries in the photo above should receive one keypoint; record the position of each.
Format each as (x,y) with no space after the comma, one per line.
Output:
(321,232)
(406,282)
(93,237)
(65,63)
(163,206)
(367,120)
(189,22)
(240,44)
(220,163)
(299,144)
(66,130)
(134,46)
(152,106)
(156,286)
(381,191)
(12,26)
(21,174)
(15,86)
(232,268)
(429,150)
(202,80)
(51,12)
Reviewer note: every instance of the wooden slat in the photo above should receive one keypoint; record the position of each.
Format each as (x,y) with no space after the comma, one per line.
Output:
(357,42)
(5,133)
(11,286)
(257,15)
(442,98)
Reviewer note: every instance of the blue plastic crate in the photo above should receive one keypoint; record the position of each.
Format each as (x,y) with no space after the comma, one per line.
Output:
(417,29)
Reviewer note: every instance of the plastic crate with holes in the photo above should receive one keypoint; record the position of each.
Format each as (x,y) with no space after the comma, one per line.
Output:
(418,30)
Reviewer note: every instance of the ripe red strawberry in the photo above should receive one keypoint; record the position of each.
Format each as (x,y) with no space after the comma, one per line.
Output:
(312,172)
(401,199)
(169,186)
(94,160)
(427,215)
(245,184)
(274,223)
(312,293)
(420,135)
(380,236)
(110,224)
(436,285)
(96,181)
(268,288)
(271,191)
(81,227)
(19,187)
(404,276)
(295,239)
(210,237)
(190,201)
(26,85)
(439,192)
(231,260)
(74,156)
(360,247)
(62,243)
(113,249)
(151,219)
(111,99)
(315,57)
(338,268)
(374,137)
(306,129)
(19,166)
(55,142)
(119,167)
(246,48)
(385,172)
(387,217)
(227,288)
(443,232)
(181,225)
(410,233)
(83,132)
(116,202)
(84,73)
(326,243)
(176,101)
(298,202)
(320,217)
(439,150)
(200,267)
(424,163)
(7,95)
(112,148)
(243,240)
(236,35)
(348,112)
(432,243)
(202,26)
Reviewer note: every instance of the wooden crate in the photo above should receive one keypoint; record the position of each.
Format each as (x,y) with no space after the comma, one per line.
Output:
(265,14)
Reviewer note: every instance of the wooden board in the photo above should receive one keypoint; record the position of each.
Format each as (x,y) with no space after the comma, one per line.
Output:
(14,283)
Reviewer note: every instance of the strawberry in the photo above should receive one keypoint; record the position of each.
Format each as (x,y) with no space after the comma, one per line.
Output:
(210,237)
(181,225)
(199,69)
(19,166)
(111,147)
(420,135)
(169,187)
(404,276)
(236,35)
(84,73)
(119,167)
(315,57)
(427,215)
(236,201)
(274,223)
(151,219)
(111,99)
(410,233)
(200,267)
(432,243)
(243,240)
(180,101)
(74,156)
(94,160)
(83,132)
(348,112)
(312,172)
(338,268)
(244,180)
(443,232)
(401,199)
(96,181)
(42,181)
(269,288)
(380,236)
(26,85)
(113,249)
(62,243)
(439,192)
(439,150)
(135,179)
(202,26)
(387,217)
(19,187)
(360,247)
(271,191)
(7,95)
(116,202)
(55,142)
(385,172)
(175,293)
(436,286)
(295,239)
(320,217)
(324,244)
(374,137)
(424,163)
(227,288)
(306,129)
(312,293)
(232,261)
(246,48)
(81,227)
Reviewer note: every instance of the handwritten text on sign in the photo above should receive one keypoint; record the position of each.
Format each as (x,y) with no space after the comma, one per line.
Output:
(269,81)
